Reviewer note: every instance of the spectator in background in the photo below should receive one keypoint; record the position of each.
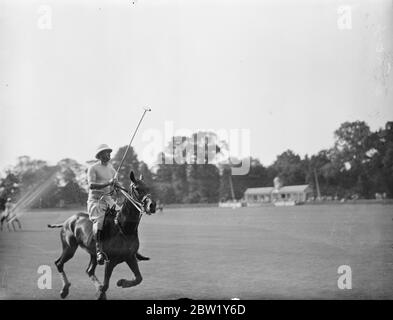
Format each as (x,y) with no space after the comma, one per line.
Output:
(4,218)
(9,216)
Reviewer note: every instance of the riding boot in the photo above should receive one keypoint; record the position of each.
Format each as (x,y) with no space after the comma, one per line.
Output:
(100,254)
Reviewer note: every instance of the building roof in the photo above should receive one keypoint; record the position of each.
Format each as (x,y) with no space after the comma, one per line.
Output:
(294,189)
(286,189)
(267,190)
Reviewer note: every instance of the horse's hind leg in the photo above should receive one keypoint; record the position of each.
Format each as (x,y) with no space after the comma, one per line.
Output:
(91,271)
(19,224)
(133,264)
(68,252)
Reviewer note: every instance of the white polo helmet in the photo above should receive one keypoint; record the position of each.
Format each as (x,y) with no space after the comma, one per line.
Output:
(102,147)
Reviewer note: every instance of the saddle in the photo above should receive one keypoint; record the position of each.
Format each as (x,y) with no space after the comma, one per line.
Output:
(111,212)
(109,218)
(111,215)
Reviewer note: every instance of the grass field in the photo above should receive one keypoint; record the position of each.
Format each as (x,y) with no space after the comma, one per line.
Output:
(216,253)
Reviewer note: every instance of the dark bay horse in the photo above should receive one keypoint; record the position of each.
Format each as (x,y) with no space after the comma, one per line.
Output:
(120,238)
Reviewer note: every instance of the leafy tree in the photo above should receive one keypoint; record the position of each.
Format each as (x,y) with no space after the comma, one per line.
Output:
(256,177)
(9,188)
(131,162)
(163,181)
(72,183)
(360,162)
(387,159)
(72,171)
(195,191)
(37,181)
(290,168)
(225,192)
(179,182)
(320,168)
(350,155)
(381,163)
(146,173)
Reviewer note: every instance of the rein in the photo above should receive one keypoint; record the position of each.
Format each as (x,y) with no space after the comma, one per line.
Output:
(133,198)
(138,204)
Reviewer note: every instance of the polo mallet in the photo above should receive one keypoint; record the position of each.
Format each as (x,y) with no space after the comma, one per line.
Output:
(129,145)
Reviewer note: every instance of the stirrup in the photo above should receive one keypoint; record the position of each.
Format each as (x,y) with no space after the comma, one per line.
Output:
(104,258)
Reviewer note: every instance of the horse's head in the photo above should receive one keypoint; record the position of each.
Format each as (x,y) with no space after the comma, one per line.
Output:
(141,192)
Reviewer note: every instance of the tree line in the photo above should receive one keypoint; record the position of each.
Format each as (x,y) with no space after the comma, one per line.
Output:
(360,163)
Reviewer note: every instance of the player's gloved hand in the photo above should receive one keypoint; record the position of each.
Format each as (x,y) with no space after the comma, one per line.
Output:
(114,182)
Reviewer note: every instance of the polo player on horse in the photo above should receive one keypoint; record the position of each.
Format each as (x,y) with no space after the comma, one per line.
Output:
(101,181)
(9,216)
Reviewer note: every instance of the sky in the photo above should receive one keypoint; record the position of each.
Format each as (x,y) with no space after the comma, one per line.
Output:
(75,74)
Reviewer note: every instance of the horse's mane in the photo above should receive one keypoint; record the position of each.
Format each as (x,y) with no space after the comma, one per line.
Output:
(2,204)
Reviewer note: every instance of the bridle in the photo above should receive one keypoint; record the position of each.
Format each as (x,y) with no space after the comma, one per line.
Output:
(134,198)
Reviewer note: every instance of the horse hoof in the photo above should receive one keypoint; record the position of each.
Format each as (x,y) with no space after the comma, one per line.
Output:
(101,295)
(64,292)
(121,283)
(141,257)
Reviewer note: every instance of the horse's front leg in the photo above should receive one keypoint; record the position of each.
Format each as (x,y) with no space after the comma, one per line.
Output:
(109,266)
(91,271)
(133,264)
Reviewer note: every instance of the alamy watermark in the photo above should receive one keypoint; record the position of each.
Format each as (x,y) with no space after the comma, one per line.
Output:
(44,17)
(345,279)
(45,279)
(344,19)
(223,146)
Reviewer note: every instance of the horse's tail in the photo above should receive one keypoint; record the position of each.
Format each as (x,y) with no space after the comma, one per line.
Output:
(59,225)
(70,222)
